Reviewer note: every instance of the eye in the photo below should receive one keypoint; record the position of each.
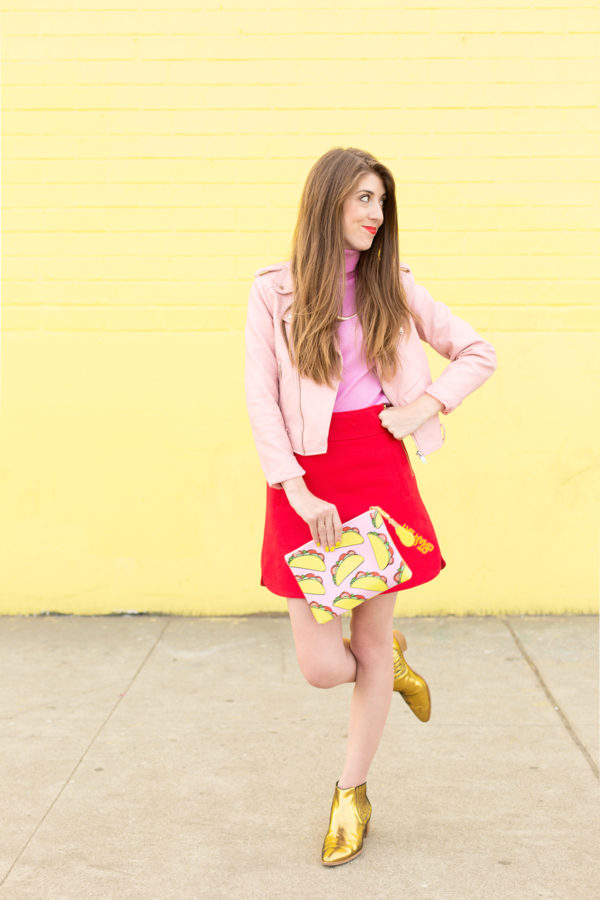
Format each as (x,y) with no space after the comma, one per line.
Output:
(364,197)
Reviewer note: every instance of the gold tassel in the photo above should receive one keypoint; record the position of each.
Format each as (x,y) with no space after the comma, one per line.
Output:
(405,536)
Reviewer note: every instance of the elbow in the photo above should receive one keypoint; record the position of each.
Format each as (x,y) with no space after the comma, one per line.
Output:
(485,355)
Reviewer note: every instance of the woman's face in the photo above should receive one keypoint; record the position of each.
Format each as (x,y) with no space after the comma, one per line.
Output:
(362,212)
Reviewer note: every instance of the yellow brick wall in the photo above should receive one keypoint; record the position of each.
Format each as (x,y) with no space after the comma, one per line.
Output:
(152,160)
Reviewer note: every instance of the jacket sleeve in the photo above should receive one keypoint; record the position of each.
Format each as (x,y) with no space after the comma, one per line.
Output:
(472,359)
(262,390)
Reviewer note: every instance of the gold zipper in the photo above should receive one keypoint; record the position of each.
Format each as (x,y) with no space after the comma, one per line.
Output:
(300,405)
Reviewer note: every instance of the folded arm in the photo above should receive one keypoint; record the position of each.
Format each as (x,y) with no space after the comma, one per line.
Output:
(472,359)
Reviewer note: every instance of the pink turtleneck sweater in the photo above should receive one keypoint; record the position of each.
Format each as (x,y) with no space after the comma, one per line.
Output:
(359,387)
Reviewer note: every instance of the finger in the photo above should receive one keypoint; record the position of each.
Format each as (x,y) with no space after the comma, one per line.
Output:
(338,526)
(321,532)
(316,531)
(326,533)
(330,531)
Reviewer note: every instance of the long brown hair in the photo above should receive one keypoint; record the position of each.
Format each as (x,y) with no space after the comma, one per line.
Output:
(317,266)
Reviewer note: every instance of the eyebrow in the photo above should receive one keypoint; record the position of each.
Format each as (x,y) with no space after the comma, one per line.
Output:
(371,192)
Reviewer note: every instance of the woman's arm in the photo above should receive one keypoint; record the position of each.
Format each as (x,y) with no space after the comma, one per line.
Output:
(262,390)
(401,421)
(472,359)
(281,468)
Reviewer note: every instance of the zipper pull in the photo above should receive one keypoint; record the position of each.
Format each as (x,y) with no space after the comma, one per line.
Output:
(421,457)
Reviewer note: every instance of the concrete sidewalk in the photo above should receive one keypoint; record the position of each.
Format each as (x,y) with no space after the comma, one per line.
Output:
(180,757)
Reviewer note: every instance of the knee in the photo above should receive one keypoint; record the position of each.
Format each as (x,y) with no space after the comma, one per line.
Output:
(319,673)
(371,650)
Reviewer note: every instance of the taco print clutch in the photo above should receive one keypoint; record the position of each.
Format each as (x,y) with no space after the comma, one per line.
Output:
(366,563)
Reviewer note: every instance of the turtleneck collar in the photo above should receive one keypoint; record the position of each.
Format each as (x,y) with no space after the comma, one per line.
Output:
(352,257)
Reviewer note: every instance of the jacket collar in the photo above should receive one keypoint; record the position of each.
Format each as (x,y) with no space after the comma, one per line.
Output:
(283,285)
(283,282)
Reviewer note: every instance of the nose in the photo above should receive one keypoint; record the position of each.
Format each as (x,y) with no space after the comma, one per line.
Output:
(376,214)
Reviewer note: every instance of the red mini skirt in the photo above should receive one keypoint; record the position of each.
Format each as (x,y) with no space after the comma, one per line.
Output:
(364,466)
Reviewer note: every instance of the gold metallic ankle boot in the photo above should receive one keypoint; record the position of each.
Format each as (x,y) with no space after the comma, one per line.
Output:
(411,686)
(348,825)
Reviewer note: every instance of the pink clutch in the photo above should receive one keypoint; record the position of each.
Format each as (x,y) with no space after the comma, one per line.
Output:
(365,564)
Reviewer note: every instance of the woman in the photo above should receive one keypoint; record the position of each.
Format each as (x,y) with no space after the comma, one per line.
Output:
(336,377)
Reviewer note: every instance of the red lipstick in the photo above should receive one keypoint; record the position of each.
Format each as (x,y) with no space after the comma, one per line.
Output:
(370,229)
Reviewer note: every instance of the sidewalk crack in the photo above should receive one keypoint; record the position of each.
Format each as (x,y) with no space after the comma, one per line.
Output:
(552,700)
(83,755)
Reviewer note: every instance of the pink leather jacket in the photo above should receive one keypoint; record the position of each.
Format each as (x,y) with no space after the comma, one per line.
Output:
(289,414)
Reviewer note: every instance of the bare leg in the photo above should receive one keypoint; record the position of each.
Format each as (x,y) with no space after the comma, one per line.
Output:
(371,645)
(325,659)
(401,641)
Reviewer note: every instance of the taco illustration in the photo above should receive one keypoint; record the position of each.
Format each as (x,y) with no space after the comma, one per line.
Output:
(346,563)
(351,536)
(348,601)
(376,518)
(369,581)
(381,548)
(307,559)
(310,584)
(321,613)
(403,573)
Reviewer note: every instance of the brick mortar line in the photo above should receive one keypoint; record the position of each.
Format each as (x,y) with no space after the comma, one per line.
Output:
(83,755)
(554,703)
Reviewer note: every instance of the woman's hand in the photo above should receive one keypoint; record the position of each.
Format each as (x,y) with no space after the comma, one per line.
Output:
(401,421)
(321,517)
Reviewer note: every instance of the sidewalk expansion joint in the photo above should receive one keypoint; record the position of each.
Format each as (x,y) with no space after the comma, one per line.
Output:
(553,701)
(83,755)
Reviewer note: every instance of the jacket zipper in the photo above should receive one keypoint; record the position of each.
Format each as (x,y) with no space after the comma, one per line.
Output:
(420,453)
(300,407)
